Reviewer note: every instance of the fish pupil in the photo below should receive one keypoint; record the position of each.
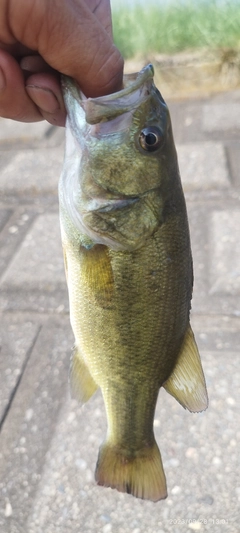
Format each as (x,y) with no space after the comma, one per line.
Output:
(150,138)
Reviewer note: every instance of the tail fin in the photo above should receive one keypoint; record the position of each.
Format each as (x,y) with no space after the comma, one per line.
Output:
(141,475)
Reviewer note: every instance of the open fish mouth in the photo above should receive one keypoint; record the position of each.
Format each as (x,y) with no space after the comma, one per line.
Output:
(101,205)
(82,110)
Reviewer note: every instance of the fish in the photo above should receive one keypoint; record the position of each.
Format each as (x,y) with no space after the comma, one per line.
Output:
(129,273)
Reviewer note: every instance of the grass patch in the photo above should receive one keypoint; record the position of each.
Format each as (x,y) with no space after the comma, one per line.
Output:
(172,27)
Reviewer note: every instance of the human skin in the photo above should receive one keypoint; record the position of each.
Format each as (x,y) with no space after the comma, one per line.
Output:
(39,39)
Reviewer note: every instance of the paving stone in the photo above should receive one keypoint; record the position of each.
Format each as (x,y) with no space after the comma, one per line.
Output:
(224,97)
(198,225)
(200,460)
(203,166)
(225,253)
(55,491)
(213,237)
(16,341)
(14,225)
(29,426)
(233,156)
(4,216)
(187,121)
(49,444)
(32,171)
(38,260)
(5,157)
(221,118)
(216,332)
(12,131)
(203,120)
(36,272)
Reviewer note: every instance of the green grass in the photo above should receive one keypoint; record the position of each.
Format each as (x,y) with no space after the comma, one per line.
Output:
(141,30)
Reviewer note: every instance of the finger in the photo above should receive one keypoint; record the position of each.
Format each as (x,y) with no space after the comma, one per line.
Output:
(102,11)
(43,86)
(34,63)
(40,99)
(14,100)
(16,49)
(44,90)
(70,32)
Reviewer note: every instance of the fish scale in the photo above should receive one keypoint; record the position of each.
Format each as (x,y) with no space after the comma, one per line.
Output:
(129,274)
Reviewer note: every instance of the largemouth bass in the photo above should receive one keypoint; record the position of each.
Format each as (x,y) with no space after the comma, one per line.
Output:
(129,273)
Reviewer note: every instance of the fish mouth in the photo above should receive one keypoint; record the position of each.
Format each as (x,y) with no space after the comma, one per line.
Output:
(102,205)
(136,90)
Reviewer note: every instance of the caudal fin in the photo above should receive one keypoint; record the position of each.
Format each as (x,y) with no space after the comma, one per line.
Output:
(141,475)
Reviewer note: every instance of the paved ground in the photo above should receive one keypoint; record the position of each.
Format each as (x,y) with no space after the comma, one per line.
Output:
(48,444)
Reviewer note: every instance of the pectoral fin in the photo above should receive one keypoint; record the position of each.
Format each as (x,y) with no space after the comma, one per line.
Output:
(97,275)
(82,384)
(187,382)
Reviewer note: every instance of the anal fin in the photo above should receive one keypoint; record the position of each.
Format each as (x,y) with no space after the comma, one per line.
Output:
(82,384)
(187,382)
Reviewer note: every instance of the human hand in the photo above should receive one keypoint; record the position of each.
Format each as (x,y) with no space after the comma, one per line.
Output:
(41,38)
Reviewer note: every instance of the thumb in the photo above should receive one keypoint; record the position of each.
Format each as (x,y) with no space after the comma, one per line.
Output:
(71,40)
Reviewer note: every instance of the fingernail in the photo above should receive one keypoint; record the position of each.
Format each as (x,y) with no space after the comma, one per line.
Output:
(2,80)
(43,98)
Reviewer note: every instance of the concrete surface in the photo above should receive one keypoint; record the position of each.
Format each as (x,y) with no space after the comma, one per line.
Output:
(49,445)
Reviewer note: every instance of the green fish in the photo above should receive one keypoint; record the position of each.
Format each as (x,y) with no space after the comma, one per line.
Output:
(129,273)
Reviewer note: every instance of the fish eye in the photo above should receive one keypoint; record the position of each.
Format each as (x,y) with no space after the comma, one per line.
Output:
(151,139)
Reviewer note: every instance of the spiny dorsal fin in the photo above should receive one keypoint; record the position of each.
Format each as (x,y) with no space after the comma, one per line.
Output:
(82,384)
(187,382)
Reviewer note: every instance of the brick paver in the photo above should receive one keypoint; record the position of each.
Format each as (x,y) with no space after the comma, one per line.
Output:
(49,444)
(32,171)
(203,166)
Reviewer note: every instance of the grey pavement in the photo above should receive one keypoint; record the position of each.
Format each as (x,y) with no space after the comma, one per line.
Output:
(49,444)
